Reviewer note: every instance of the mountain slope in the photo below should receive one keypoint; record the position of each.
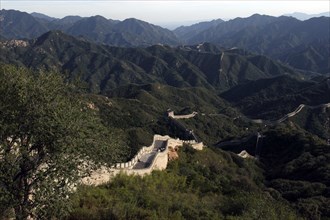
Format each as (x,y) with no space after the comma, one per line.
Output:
(281,38)
(42,16)
(93,28)
(185,32)
(130,32)
(314,57)
(140,33)
(304,16)
(272,98)
(297,168)
(105,67)
(301,44)
(64,23)
(16,24)
(228,28)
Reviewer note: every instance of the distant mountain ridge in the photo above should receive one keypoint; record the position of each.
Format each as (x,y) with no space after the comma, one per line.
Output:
(185,32)
(301,44)
(106,68)
(42,16)
(130,32)
(283,38)
(304,16)
(16,24)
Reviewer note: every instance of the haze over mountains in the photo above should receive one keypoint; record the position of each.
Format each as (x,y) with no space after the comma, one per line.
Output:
(301,44)
(130,32)
(304,16)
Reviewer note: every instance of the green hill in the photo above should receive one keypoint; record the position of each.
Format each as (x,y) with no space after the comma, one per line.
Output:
(211,184)
(296,167)
(272,98)
(105,68)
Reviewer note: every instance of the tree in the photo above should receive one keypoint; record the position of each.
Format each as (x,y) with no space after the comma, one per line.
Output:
(49,139)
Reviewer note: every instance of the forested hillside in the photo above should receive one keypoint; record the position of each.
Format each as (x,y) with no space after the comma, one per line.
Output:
(80,93)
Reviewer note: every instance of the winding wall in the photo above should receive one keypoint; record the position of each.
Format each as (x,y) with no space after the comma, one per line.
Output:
(289,115)
(104,174)
(172,115)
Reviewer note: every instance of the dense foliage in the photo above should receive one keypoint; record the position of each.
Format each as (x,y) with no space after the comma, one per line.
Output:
(49,139)
(272,98)
(142,111)
(297,165)
(211,184)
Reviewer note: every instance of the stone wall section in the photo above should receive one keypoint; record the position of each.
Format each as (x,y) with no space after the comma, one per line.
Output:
(104,174)
(172,115)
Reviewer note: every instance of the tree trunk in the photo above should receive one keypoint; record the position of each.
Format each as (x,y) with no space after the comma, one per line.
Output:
(21,207)
(21,213)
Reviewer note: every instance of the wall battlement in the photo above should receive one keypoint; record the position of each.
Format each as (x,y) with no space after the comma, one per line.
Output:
(172,115)
(104,174)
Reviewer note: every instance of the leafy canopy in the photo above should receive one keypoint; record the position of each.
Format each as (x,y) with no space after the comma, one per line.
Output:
(49,139)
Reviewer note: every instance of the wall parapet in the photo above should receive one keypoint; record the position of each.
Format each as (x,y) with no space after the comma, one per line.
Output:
(140,153)
(172,115)
(159,162)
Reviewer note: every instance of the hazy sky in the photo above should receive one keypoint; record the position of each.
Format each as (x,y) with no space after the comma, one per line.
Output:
(166,12)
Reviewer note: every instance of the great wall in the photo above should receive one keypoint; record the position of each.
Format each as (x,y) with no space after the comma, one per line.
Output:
(153,157)
(172,115)
(289,115)
(245,154)
(159,161)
